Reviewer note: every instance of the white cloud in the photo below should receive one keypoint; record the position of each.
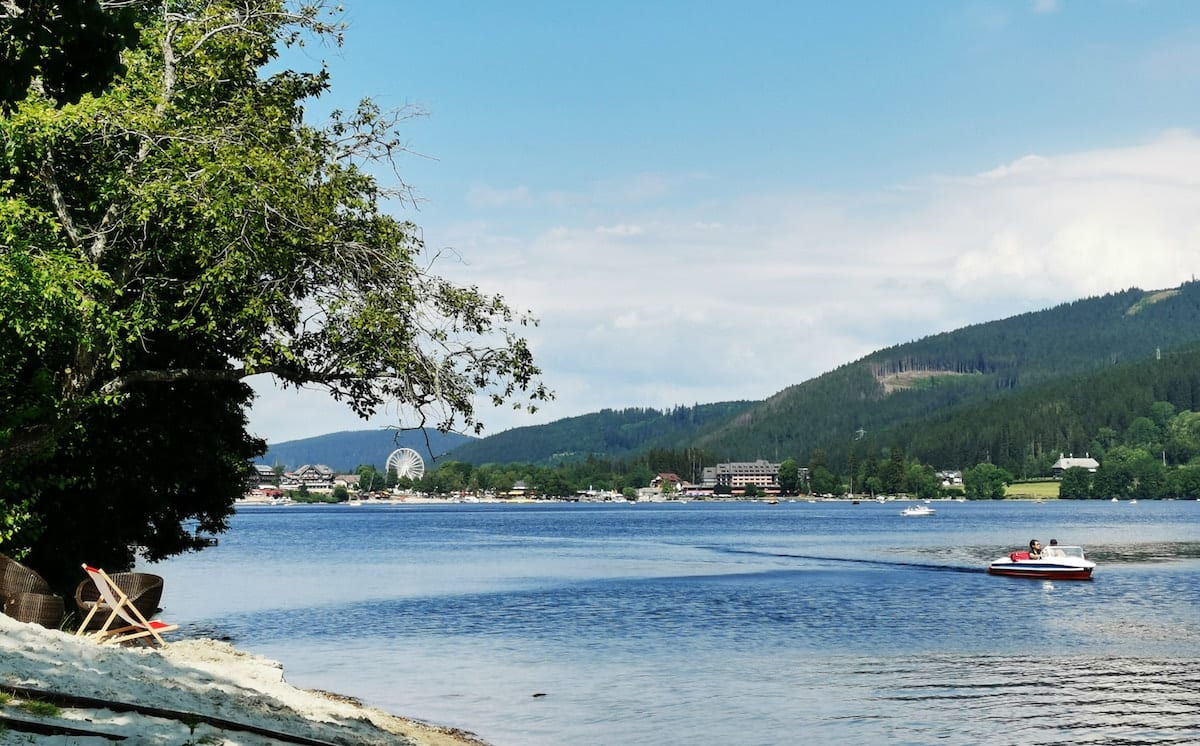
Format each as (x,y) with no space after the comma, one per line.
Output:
(668,305)
(1045,6)
(621,230)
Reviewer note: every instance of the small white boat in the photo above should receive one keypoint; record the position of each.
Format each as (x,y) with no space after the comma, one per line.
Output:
(1057,562)
(918,510)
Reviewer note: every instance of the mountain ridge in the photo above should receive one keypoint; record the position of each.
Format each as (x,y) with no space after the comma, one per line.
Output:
(345,450)
(881,393)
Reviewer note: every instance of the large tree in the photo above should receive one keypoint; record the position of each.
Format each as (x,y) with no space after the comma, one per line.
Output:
(191,207)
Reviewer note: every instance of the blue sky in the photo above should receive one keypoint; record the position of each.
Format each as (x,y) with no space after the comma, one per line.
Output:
(706,201)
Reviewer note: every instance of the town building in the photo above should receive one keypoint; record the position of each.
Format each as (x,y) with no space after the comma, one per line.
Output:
(313,477)
(738,474)
(261,475)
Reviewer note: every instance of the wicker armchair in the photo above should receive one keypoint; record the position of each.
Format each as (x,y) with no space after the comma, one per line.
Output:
(26,597)
(17,578)
(144,591)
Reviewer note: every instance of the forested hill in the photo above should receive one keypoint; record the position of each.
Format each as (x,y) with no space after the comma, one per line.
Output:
(914,381)
(609,433)
(344,451)
(1084,414)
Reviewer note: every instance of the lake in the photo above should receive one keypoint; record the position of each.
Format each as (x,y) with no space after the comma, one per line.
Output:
(720,623)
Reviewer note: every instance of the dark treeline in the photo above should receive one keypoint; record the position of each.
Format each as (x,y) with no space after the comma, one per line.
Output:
(607,434)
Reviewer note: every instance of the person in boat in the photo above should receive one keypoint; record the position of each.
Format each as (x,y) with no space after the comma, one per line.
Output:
(1035,549)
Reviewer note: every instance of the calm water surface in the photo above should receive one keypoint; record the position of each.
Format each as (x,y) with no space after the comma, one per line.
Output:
(708,623)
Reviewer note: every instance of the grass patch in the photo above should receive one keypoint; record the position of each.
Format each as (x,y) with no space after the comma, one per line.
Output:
(41,709)
(1047,490)
(1151,298)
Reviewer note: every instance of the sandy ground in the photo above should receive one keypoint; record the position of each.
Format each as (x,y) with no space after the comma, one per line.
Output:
(190,692)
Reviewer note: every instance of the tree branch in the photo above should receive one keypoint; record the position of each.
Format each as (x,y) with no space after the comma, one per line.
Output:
(121,383)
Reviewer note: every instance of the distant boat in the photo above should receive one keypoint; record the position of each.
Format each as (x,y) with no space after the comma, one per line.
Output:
(1116,500)
(918,510)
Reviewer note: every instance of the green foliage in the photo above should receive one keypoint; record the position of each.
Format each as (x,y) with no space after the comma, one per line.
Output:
(789,476)
(922,481)
(1143,433)
(370,479)
(305,495)
(71,46)
(182,231)
(823,482)
(1076,484)
(155,474)
(1130,472)
(985,482)
(892,475)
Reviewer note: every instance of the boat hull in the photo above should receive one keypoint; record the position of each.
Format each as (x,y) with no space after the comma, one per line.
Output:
(1043,572)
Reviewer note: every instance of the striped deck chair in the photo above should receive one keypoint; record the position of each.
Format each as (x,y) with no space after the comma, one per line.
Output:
(114,600)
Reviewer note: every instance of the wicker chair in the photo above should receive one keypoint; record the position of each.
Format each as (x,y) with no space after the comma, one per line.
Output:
(45,609)
(26,597)
(144,591)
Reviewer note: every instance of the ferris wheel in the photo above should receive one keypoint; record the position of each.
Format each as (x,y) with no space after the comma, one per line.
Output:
(406,463)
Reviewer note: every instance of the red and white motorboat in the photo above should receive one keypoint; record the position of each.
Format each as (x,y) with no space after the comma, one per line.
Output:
(1057,562)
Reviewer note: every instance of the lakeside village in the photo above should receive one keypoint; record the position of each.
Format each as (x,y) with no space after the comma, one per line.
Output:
(738,480)
(747,480)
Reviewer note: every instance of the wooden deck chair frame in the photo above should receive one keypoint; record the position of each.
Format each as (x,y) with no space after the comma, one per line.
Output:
(136,627)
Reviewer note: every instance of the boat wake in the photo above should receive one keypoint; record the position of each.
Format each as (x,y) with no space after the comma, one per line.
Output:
(848,560)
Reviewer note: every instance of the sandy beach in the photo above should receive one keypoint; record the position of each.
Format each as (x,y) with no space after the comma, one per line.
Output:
(190,692)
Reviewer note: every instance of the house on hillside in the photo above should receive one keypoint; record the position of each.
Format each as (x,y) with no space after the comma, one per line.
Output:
(661,481)
(1067,462)
(950,478)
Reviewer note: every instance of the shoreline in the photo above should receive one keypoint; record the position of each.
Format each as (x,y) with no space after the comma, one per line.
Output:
(191,690)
